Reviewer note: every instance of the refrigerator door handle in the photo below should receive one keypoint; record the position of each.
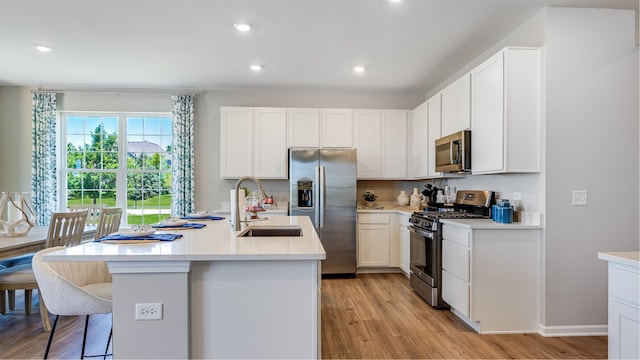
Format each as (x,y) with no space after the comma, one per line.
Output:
(322,196)
(316,195)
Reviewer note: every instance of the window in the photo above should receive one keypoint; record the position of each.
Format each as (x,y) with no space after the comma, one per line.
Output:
(118,160)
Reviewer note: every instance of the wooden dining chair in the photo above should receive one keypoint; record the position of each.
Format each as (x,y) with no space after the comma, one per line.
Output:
(93,217)
(109,221)
(65,229)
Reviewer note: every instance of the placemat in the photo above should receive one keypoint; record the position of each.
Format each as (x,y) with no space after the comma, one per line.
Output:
(206,218)
(121,239)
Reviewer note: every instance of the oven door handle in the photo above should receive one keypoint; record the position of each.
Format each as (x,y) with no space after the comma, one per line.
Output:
(427,234)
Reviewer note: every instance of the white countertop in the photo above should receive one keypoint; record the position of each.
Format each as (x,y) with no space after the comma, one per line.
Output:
(384,206)
(216,241)
(629,258)
(488,224)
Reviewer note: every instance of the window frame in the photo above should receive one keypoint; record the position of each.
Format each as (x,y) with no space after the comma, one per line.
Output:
(121,172)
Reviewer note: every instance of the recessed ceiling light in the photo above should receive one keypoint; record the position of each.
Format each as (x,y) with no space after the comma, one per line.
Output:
(43,48)
(358,69)
(242,27)
(395,1)
(255,67)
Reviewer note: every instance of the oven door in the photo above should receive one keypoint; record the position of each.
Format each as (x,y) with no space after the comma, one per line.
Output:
(423,255)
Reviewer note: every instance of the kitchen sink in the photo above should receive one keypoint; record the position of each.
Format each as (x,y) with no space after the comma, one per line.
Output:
(264,231)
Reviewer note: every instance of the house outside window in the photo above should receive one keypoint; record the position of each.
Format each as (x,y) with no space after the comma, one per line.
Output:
(118,159)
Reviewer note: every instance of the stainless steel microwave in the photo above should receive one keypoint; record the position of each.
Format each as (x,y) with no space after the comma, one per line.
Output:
(453,152)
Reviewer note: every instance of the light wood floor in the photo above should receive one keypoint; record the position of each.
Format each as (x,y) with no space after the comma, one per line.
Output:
(374,316)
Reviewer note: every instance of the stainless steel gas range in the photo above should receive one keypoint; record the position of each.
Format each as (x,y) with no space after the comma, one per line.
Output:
(426,240)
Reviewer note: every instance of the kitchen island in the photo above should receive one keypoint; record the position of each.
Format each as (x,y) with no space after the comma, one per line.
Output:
(220,295)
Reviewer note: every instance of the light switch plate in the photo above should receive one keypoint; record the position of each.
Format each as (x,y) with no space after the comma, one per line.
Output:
(580,198)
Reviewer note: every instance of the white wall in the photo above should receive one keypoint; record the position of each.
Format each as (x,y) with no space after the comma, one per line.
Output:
(15,139)
(591,144)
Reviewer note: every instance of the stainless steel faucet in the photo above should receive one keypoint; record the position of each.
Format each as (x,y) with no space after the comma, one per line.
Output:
(237,226)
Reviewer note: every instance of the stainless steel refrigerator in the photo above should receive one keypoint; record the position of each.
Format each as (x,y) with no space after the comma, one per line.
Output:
(323,187)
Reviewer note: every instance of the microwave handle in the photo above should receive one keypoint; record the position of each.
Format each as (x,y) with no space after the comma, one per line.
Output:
(451,152)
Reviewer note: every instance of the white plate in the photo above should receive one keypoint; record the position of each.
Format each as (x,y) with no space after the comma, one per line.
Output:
(173,223)
(131,233)
(198,215)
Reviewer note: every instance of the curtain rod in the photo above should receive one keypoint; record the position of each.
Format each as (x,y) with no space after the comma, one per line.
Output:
(116,93)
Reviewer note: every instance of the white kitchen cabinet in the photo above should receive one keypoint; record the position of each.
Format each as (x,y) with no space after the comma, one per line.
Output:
(505,113)
(253,143)
(373,240)
(303,127)
(336,128)
(456,106)
(624,304)
(490,277)
(320,128)
(404,244)
(418,149)
(381,140)
(235,142)
(434,118)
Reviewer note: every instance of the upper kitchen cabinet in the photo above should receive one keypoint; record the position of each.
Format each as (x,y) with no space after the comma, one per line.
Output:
(303,127)
(336,128)
(418,149)
(434,118)
(456,106)
(505,113)
(253,142)
(320,128)
(381,140)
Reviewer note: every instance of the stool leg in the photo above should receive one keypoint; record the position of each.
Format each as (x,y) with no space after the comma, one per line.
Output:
(53,329)
(27,301)
(3,303)
(84,337)
(106,351)
(12,299)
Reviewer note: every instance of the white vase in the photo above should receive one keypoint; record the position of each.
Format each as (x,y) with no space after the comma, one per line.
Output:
(403,198)
(415,198)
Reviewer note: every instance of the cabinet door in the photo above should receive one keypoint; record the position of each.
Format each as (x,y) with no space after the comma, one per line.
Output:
(434,118)
(418,153)
(455,292)
(373,245)
(269,143)
(487,146)
(404,243)
(303,127)
(456,106)
(394,145)
(368,143)
(337,128)
(235,142)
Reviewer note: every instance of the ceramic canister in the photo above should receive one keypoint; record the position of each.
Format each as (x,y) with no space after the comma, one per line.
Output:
(502,213)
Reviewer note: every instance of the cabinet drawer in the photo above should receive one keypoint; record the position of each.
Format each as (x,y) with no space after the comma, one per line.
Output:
(455,292)
(456,234)
(455,259)
(624,285)
(373,218)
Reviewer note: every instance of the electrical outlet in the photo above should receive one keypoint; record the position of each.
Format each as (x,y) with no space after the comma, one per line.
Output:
(580,197)
(517,196)
(149,311)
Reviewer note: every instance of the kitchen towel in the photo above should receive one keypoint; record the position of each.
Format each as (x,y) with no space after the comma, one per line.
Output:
(152,237)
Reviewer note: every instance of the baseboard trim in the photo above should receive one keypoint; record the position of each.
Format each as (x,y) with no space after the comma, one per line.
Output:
(574,330)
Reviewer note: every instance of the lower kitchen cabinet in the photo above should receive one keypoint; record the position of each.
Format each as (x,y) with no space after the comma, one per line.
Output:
(373,239)
(383,241)
(490,277)
(624,304)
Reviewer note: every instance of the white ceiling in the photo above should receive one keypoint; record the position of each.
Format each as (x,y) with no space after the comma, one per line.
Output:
(409,46)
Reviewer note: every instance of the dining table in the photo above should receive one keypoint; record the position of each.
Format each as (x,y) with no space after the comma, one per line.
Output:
(33,241)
